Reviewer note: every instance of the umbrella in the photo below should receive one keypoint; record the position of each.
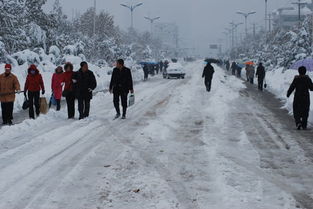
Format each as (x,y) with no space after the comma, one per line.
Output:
(212,61)
(249,63)
(308,63)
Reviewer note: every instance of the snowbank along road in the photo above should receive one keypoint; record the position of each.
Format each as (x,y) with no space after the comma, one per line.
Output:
(181,147)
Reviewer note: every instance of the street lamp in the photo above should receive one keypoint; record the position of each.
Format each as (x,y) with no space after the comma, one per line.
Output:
(152,21)
(265,15)
(132,8)
(233,30)
(246,17)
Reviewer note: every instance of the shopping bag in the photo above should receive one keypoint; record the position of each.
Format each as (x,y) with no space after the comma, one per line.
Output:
(131,100)
(25,104)
(53,101)
(43,105)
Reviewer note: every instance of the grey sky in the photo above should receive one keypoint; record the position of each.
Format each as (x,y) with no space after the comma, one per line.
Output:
(201,22)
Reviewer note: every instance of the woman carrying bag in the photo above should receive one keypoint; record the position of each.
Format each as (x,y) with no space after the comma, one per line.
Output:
(33,85)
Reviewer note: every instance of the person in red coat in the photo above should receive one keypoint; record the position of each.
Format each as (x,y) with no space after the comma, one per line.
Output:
(68,92)
(33,85)
(56,85)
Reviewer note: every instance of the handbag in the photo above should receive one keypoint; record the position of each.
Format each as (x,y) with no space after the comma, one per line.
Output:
(43,105)
(131,100)
(53,101)
(65,93)
(25,104)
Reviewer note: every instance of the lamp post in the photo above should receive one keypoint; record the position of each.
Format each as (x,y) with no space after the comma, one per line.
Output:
(233,31)
(265,19)
(132,8)
(152,21)
(246,15)
(299,3)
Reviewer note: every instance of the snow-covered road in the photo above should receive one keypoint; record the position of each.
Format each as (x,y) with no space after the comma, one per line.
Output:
(180,147)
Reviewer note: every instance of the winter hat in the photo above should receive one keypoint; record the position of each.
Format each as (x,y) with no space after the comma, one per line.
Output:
(8,66)
(32,67)
(302,70)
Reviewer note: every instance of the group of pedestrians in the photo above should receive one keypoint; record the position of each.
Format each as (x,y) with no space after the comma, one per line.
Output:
(301,84)
(154,68)
(72,85)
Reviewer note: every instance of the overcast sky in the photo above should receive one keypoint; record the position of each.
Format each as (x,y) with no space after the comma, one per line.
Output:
(200,22)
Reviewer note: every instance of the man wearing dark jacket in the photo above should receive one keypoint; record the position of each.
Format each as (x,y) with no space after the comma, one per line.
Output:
(84,82)
(121,84)
(260,73)
(301,104)
(208,75)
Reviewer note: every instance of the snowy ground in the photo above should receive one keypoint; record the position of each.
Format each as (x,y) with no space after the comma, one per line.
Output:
(180,147)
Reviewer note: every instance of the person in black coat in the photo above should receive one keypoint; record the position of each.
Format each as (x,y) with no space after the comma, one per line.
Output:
(227,65)
(145,72)
(84,82)
(121,84)
(208,75)
(260,73)
(233,68)
(301,104)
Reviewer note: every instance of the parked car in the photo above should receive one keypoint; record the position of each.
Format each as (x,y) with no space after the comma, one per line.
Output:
(175,70)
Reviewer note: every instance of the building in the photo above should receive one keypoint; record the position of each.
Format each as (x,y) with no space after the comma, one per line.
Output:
(287,17)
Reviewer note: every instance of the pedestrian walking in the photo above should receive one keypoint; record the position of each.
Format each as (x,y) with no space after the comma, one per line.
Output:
(161,66)
(121,84)
(260,74)
(57,85)
(208,75)
(302,84)
(233,68)
(250,73)
(68,91)
(33,85)
(227,65)
(238,70)
(145,72)
(84,82)
(9,85)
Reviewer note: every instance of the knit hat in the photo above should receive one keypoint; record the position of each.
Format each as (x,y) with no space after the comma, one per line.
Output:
(8,66)
(32,67)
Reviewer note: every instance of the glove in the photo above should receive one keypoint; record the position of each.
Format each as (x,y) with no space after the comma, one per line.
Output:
(43,91)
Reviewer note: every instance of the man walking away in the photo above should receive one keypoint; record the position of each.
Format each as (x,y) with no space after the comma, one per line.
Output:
(250,73)
(208,75)
(8,86)
(56,86)
(33,85)
(238,68)
(121,84)
(84,82)
(161,66)
(233,68)
(146,72)
(301,103)
(260,73)
(227,65)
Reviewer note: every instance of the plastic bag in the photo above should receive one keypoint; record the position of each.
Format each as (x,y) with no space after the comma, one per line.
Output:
(131,100)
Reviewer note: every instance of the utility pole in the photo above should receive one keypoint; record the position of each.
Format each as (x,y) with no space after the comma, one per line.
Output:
(299,3)
(131,8)
(152,21)
(265,19)
(94,17)
(246,15)
(254,32)
(269,19)
(233,30)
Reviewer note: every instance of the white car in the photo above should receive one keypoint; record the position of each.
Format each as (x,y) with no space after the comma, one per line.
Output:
(175,70)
